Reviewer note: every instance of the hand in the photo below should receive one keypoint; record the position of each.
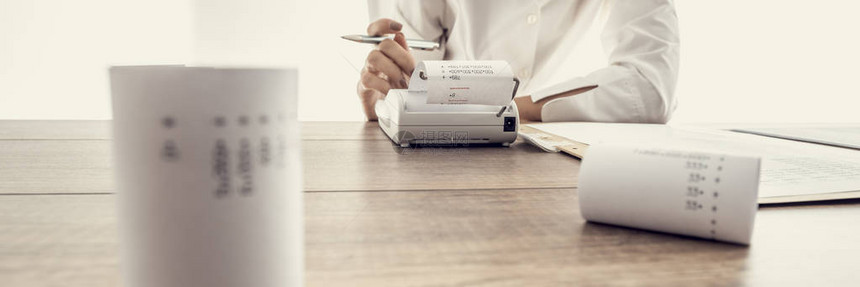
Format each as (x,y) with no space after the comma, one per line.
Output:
(389,66)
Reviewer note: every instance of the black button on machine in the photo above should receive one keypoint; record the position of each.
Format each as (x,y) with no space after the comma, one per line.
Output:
(510,124)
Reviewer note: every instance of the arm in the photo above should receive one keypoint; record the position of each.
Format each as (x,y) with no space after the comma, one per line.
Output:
(641,38)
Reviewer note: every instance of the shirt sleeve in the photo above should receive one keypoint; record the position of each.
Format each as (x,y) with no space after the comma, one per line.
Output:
(427,20)
(641,40)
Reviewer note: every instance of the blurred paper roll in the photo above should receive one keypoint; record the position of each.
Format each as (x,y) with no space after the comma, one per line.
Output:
(208,176)
(700,194)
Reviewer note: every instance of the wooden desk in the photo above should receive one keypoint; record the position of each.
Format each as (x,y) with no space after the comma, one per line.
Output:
(379,216)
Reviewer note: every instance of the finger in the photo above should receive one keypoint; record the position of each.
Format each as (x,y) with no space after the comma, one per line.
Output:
(398,55)
(368,102)
(372,82)
(376,60)
(368,97)
(404,84)
(383,26)
(373,70)
(400,39)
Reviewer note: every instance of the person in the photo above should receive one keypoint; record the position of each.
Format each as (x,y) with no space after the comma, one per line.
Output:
(639,36)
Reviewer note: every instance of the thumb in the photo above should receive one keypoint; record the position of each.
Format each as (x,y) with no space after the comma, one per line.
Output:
(383,26)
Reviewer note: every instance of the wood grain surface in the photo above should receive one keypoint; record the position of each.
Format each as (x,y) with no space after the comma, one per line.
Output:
(101,130)
(458,238)
(85,166)
(380,216)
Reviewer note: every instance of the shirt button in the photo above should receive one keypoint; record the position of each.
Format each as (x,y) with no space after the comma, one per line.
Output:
(532,18)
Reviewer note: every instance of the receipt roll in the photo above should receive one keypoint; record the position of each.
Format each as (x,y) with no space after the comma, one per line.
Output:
(464,82)
(700,194)
(208,176)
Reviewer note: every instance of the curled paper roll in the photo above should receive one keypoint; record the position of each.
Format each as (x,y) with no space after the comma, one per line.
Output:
(700,194)
(464,82)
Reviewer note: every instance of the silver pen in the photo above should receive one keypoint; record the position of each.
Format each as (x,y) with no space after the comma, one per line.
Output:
(412,43)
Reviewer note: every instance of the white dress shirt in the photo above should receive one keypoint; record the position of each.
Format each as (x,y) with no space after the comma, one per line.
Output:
(640,38)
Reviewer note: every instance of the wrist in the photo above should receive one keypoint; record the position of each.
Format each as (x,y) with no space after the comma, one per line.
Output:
(528,110)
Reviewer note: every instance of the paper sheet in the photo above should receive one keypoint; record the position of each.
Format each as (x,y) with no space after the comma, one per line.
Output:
(789,168)
(706,195)
(464,82)
(848,137)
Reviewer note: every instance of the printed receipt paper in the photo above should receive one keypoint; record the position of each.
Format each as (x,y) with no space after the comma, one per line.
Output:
(699,194)
(464,82)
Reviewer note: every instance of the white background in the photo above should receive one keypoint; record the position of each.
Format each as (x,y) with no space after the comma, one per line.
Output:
(741,61)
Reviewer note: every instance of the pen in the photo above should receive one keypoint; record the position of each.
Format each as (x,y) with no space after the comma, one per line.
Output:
(412,43)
